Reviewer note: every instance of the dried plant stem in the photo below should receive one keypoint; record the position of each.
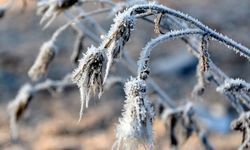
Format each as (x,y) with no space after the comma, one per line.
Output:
(165,99)
(145,54)
(217,75)
(244,51)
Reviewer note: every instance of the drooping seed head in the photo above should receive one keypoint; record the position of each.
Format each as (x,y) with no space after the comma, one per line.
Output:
(135,126)
(44,58)
(88,75)
(18,106)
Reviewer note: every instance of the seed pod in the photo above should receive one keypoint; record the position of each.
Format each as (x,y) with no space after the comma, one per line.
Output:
(44,58)
(18,106)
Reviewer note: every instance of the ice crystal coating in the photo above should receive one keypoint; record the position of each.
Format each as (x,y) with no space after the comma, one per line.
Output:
(88,76)
(135,126)
(234,85)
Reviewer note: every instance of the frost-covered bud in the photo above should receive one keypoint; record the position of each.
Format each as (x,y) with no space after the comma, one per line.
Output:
(17,107)
(234,85)
(118,36)
(88,75)
(135,126)
(52,8)
(44,58)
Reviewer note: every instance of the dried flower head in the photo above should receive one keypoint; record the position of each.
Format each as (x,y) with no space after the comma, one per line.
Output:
(242,124)
(17,107)
(135,126)
(46,55)
(50,9)
(118,35)
(180,119)
(88,76)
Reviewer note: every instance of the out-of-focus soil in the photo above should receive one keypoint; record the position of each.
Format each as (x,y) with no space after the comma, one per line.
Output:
(51,120)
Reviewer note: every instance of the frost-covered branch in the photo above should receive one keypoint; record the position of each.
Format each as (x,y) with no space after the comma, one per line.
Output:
(234,85)
(216,75)
(143,68)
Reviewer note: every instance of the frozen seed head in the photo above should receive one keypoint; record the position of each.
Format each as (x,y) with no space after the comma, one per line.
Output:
(50,9)
(135,126)
(88,75)
(117,37)
(44,58)
(18,106)
(234,85)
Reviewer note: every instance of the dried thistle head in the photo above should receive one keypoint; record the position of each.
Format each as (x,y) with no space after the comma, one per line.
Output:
(50,9)
(88,75)
(242,124)
(118,35)
(18,106)
(44,58)
(135,126)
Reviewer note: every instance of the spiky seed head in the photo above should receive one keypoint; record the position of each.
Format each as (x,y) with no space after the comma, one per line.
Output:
(135,126)
(115,42)
(88,75)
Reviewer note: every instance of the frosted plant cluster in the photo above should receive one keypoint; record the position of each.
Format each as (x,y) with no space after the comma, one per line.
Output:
(88,76)
(92,68)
